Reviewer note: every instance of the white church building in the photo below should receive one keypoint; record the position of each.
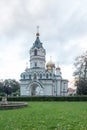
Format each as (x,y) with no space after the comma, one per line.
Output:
(42,79)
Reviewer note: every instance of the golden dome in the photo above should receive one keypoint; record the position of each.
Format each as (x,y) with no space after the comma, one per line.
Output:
(49,69)
(58,68)
(50,64)
(37,34)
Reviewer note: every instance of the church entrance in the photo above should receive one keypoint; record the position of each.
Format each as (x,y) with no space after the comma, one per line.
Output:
(36,89)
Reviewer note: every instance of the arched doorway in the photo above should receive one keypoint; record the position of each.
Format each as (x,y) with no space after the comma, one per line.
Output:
(36,89)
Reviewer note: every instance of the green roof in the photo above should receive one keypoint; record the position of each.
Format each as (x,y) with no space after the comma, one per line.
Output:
(37,43)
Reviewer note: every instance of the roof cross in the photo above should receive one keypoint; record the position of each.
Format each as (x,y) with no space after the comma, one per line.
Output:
(37,34)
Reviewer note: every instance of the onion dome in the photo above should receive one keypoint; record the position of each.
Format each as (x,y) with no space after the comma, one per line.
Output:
(50,64)
(49,69)
(58,71)
(58,68)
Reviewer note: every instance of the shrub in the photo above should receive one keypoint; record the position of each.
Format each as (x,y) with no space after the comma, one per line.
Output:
(48,98)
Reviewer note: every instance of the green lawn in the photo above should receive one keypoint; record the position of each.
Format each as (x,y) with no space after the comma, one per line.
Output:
(46,116)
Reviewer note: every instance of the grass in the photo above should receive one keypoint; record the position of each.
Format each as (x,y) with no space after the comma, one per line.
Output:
(46,116)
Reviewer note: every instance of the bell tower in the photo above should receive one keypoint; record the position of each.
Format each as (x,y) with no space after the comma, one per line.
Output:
(37,53)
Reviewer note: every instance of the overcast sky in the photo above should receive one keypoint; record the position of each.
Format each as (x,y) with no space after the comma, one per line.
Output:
(63,32)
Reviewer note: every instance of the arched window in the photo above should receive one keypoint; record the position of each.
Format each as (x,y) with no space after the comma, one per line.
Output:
(35,52)
(35,76)
(50,74)
(47,76)
(23,76)
(35,64)
(40,76)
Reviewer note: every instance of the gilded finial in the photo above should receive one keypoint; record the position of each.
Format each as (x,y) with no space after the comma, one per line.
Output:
(37,34)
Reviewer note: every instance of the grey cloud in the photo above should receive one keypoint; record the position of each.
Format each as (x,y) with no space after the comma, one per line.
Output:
(62,24)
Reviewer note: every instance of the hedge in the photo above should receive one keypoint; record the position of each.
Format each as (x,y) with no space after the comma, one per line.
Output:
(48,98)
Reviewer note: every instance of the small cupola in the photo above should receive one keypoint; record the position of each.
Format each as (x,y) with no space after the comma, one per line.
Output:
(51,66)
(58,71)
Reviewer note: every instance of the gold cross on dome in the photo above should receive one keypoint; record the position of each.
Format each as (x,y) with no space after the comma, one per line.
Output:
(37,34)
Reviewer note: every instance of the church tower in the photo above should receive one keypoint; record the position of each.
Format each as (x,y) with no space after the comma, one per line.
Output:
(38,80)
(37,53)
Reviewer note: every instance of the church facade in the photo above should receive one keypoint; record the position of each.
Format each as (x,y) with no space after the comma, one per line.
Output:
(39,80)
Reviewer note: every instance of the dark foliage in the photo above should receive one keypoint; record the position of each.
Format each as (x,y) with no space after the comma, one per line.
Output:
(80,74)
(9,86)
(81,87)
(48,98)
(7,90)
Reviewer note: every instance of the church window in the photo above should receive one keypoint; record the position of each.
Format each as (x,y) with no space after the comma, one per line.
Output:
(50,74)
(40,76)
(35,64)
(23,76)
(35,52)
(47,76)
(35,76)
